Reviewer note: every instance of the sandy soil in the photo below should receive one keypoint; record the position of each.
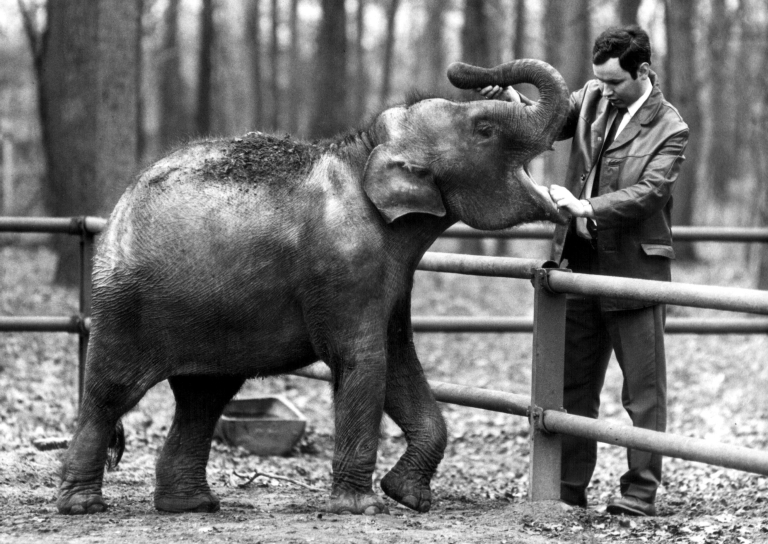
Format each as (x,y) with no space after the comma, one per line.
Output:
(717,392)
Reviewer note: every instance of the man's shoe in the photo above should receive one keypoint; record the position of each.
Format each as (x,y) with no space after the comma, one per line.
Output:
(630,506)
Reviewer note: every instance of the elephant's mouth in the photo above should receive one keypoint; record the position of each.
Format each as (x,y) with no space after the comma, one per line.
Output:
(541,196)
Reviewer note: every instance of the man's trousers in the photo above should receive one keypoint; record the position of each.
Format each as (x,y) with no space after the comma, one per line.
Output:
(637,337)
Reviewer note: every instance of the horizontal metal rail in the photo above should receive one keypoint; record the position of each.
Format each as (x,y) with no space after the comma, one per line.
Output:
(73,324)
(474,397)
(681,234)
(682,294)
(674,325)
(681,447)
(692,449)
(95,225)
(432,324)
(501,267)
(58,225)
(564,281)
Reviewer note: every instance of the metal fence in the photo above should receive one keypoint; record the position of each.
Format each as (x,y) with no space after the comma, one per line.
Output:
(544,407)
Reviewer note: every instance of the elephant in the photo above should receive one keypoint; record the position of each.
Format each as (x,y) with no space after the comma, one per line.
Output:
(236,258)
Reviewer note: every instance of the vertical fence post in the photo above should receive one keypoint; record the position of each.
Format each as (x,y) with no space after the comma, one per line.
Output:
(8,172)
(86,268)
(546,388)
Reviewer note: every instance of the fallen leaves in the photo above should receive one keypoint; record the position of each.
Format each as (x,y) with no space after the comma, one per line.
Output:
(716,387)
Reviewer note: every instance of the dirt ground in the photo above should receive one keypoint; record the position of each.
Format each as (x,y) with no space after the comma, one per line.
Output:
(275,511)
(717,387)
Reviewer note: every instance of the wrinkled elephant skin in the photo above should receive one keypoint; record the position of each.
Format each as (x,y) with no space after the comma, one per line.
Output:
(236,258)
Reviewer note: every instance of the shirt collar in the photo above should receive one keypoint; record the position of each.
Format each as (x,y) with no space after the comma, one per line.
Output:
(637,104)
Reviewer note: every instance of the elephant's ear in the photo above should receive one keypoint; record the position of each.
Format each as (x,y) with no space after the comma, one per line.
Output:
(397,187)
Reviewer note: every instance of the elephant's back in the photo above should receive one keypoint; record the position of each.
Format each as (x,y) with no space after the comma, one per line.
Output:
(196,259)
(255,160)
(208,209)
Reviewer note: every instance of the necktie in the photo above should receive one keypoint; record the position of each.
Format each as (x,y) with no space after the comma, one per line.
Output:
(586,228)
(620,112)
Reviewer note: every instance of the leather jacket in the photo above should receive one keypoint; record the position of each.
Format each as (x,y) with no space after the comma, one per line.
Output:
(634,203)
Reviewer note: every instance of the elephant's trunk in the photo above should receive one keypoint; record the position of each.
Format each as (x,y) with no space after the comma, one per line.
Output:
(540,123)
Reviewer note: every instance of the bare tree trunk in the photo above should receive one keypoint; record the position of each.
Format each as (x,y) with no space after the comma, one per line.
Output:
(475,46)
(205,70)
(434,46)
(628,11)
(476,50)
(520,39)
(749,32)
(89,76)
(569,40)
(389,50)
(681,92)
(330,108)
(721,155)
(761,171)
(295,77)
(274,57)
(569,49)
(253,42)
(141,137)
(173,115)
(758,140)
(361,76)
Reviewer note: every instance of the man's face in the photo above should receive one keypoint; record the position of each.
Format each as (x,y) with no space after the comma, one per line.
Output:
(617,85)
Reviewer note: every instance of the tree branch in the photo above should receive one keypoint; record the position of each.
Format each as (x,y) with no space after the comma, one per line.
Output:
(34,36)
(267,475)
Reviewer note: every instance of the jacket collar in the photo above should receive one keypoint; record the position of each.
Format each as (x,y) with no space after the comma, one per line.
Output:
(650,109)
(646,114)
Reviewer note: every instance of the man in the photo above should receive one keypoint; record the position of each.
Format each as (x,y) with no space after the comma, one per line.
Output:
(628,145)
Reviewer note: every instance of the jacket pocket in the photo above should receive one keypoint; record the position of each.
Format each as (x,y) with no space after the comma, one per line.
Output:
(610,173)
(658,250)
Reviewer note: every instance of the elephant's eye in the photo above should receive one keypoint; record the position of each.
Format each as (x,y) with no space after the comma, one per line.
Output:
(484,130)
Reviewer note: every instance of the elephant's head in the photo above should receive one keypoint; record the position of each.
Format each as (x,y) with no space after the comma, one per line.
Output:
(467,160)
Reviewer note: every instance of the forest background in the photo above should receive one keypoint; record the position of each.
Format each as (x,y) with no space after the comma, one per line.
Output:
(92,90)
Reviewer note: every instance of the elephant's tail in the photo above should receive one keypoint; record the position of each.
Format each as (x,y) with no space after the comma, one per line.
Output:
(116,446)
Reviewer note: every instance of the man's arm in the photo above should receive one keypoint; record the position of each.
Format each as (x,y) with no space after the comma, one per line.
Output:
(651,192)
(564,199)
(633,203)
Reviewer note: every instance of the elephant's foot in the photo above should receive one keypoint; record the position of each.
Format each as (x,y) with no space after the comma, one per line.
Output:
(354,502)
(408,489)
(203,501)
(74,502)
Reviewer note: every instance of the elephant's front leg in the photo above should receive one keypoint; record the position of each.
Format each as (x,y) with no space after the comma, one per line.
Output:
(358,365)
(411,404)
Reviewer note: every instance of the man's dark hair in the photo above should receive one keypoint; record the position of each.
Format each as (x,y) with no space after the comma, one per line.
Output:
(630,44)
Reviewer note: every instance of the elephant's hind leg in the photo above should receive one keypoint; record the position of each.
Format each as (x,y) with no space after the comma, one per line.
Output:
(181,482)
(410,404)
(104,402)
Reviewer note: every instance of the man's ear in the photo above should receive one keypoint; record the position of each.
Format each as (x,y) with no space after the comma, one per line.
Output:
(397,186)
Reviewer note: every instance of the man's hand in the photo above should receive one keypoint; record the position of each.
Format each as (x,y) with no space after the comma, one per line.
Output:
(563,198)
(494,92)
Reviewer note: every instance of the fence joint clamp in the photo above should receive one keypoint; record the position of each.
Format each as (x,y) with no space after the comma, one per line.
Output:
(543,274)
(80,324)
(77,225)
(536,418)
